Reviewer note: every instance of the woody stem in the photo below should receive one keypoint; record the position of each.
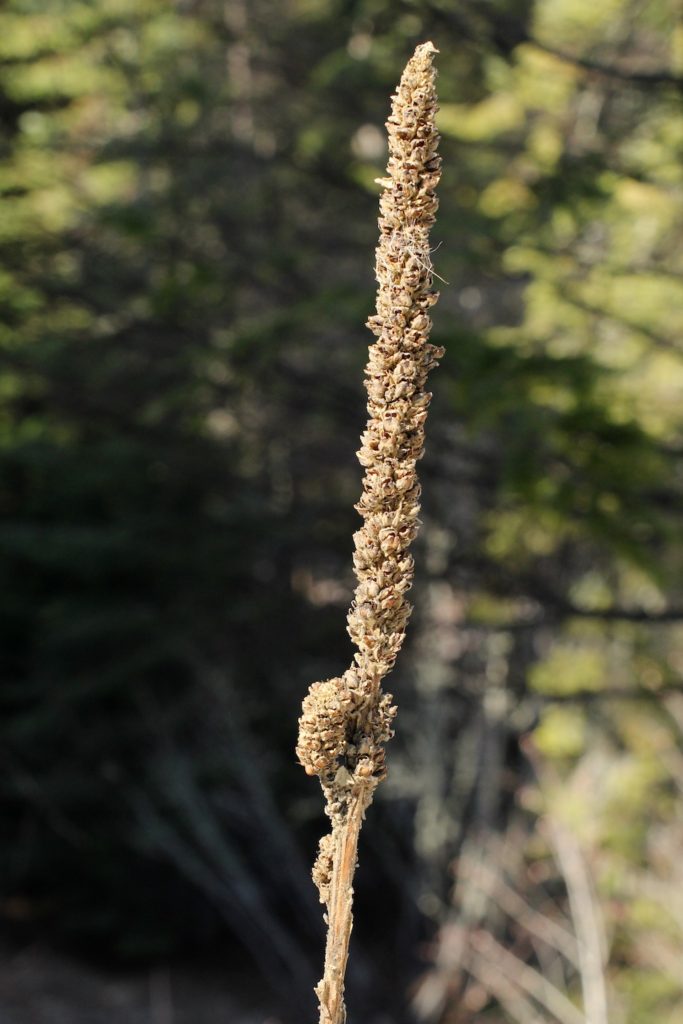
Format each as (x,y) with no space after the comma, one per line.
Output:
(330,989)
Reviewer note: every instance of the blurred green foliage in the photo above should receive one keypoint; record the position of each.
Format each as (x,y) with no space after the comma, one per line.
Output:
(188,210)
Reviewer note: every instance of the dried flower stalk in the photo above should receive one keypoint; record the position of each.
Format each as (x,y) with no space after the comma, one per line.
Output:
(347,721)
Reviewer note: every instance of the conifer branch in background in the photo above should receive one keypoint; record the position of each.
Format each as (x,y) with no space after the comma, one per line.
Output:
(347,721)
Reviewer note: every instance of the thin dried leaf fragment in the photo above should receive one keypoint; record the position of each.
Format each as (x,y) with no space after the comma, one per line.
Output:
(322,869)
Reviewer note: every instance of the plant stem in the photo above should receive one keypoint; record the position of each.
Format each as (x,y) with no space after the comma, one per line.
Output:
(330,989)
(346,721)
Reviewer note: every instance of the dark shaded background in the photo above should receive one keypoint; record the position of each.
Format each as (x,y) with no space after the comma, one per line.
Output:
(187,234)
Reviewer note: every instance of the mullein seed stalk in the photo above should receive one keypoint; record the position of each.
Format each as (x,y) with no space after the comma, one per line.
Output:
(347,721)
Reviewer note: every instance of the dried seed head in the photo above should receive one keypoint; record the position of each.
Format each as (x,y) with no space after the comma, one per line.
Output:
(346,722)
(399,360)
(322,726)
